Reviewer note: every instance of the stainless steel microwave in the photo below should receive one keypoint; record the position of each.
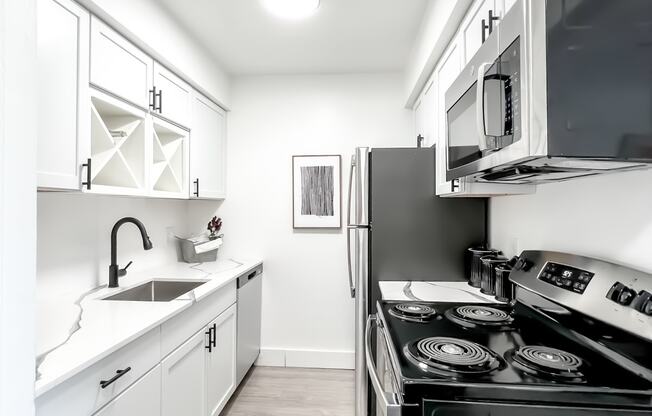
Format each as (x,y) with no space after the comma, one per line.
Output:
(561,89)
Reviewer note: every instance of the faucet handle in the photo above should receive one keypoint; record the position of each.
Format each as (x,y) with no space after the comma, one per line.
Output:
(122,272)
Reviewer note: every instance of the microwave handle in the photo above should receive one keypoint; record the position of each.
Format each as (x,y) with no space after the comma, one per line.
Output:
(479,105)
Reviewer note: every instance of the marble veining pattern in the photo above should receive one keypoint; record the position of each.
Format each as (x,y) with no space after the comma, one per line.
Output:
(102,327)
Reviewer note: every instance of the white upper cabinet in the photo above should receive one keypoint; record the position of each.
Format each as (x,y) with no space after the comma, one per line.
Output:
(207,149)
(63,112)
(424,115)
(476,26)
(118,66)
(169,160)
(220,361)
(446,71)
(170,96)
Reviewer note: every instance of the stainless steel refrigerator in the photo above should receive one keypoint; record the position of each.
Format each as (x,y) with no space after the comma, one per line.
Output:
(399,230)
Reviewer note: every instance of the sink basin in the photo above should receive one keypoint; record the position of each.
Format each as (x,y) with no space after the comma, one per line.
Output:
(157,291)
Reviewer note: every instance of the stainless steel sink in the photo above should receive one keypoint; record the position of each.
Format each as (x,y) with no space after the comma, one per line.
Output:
(157,291)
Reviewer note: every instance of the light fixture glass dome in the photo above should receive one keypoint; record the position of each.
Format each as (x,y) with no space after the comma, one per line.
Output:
(291,9)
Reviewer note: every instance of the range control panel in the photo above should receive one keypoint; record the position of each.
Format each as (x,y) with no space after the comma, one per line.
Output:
(608,292)
(566,277)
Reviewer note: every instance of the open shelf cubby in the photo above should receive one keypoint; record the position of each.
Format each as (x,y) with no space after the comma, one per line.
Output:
(168,158)
(117,144)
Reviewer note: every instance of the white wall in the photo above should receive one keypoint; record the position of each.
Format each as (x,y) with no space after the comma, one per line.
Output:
(308,317)
(74,250)
(608,217)
(154,29)
(17,205)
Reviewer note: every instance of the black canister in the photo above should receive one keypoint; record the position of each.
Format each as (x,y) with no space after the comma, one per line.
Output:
(474,266)
(488,280)
(504,287)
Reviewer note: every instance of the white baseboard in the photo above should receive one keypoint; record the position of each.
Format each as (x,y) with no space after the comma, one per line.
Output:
(274,357)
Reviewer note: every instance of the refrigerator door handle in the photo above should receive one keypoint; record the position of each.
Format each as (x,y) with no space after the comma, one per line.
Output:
(349,229)
(348,260)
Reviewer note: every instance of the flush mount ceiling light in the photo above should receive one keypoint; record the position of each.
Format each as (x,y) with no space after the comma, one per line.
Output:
(291,9)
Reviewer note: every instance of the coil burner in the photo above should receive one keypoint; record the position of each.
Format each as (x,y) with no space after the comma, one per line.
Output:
(452,356)
(477,316)
(548,363)
(413,312)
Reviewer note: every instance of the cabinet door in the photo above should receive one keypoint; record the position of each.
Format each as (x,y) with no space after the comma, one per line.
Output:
(471,28)
(508,5)
(184,376)
(118,66)
(446,72)
(424,115)
(143,398)
(220,361)
(63,115)
(207,149)
(173,96)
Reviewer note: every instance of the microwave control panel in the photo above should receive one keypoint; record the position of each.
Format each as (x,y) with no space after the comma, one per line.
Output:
(510,70)
(566,277)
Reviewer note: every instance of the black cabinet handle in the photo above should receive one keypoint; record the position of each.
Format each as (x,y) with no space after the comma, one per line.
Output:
(484,28)
(106,383)
(160,101)
(152,100)
(212,340)
(492,19)
(87,165)
(209,347)
(196,182)
(455,185)
(153,96)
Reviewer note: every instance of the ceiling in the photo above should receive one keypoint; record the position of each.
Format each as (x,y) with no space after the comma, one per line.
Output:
(342,36)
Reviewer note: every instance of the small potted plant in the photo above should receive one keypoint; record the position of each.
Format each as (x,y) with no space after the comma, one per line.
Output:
(214,227)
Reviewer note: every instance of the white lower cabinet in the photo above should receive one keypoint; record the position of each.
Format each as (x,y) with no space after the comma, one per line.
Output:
(143,398)
(220,361)
(185,367)
(184,377)
(199,376)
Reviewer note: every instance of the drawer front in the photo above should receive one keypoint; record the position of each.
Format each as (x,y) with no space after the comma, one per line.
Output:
(143,398)
(82,394)
(180,328)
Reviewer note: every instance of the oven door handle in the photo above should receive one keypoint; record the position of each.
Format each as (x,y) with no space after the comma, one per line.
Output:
(391,405)
(479,106)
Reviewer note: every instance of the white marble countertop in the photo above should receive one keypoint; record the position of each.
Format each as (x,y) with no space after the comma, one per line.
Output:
(433,292)
(103,327)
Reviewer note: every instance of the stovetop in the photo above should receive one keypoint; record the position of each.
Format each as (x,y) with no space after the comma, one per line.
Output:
(512,353)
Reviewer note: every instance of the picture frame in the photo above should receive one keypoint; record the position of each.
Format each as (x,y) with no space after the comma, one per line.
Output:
(317,191)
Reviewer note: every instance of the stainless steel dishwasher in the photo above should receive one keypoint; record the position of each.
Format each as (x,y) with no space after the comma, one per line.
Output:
(250,288)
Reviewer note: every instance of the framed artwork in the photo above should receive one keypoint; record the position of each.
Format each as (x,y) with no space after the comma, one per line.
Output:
(317,191)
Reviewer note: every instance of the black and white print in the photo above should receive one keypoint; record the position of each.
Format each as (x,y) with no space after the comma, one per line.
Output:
(316,191)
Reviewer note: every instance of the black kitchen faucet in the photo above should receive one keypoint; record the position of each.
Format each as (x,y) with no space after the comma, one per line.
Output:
(114,270)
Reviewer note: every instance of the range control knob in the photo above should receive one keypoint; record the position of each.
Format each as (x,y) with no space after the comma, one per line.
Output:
(643,302)
(621,294)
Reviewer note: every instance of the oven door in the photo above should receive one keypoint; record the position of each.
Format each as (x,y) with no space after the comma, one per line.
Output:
(450,408)
(389,400)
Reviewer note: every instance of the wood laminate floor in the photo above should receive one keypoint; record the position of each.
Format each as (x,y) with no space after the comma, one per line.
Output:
(277,391)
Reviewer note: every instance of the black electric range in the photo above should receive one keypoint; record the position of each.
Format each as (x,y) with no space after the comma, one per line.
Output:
(555,351)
